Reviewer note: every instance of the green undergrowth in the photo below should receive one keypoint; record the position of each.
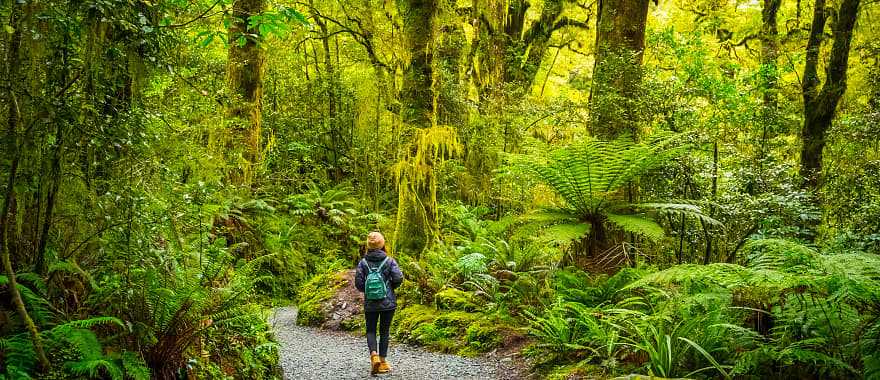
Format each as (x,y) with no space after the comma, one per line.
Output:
(453,325)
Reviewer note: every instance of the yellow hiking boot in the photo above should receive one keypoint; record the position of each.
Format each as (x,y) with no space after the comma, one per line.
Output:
(375,363)
(383,366)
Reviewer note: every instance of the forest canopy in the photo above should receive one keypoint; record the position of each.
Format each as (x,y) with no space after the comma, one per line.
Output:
(601,187)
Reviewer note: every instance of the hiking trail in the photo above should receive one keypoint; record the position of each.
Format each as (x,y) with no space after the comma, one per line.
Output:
(309,353)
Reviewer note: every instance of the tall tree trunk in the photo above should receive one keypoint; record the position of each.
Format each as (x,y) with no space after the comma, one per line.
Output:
(770,52)
(416,215)
(416,92)
(245,76)
(617,74)
(13,120)
(769,71)
(448,107)
(820,105)
(57,156)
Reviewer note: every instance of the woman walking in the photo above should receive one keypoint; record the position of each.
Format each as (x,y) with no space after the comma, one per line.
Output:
(377,277)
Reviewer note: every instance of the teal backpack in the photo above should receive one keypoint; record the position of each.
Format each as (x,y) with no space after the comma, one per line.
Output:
(375,288)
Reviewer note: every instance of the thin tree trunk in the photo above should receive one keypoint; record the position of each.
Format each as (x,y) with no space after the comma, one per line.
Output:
(40,260)
(770,73)
(708,255)
(13,120)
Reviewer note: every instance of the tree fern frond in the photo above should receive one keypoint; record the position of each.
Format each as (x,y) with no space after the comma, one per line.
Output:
(564,233)
(37,306)
(781,255)
(36,282)
(690,210)
(637,224)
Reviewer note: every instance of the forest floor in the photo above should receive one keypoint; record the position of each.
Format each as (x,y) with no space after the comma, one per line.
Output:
(309,353)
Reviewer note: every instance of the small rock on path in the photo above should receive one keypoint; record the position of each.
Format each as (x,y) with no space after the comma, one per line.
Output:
(308,353)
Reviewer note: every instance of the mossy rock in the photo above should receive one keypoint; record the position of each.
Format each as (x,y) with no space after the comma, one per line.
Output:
(457,320)
(455,299)
(577,371)
(355,323)
(483,336)
(313,296)
(411,318)
(436,337)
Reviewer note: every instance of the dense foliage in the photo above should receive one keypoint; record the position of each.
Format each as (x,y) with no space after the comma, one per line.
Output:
(676,188)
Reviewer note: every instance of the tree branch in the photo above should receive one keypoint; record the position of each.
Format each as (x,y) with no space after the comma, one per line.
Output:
(199,17)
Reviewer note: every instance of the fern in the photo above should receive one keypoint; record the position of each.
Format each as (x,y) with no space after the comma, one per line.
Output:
(134,366)
(37,306)
(638,224)
(590,178)
(19,356)
(95,368)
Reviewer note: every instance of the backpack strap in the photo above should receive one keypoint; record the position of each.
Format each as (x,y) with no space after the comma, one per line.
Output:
(379,268)
(376,269)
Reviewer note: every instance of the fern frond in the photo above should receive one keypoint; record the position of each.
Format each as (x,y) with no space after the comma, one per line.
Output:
(37,306)
(18,354)
(134,365)
(638,225)
(588,173)
(781,255)
(93,368)
(86,324)
(689,210)
(564,233)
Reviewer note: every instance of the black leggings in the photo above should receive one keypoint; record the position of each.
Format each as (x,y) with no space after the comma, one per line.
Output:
(384,319)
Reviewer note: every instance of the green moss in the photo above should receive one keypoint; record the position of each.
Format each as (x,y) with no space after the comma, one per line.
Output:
(457,320)
(411,318)
(456,331)
(355,323)
(580,370)
(483,336)
(314,294)
(435,337)
(454,299)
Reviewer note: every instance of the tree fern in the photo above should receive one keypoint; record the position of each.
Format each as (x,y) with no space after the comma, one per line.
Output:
(590,178)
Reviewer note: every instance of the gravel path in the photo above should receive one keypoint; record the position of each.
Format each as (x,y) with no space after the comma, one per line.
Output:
(308,353)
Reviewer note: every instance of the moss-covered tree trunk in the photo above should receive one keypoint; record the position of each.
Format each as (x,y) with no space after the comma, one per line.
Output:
(416,93)
(416,224)
(245,77)
(820,105)
(620,44)
(449,94)
(508,49)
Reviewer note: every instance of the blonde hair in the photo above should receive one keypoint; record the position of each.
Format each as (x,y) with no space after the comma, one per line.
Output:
(375,240)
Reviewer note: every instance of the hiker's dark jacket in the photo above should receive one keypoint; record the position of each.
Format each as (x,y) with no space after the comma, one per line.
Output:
(390,272)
